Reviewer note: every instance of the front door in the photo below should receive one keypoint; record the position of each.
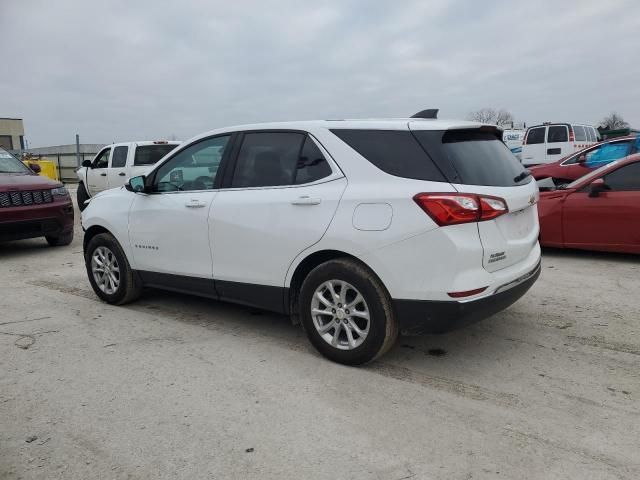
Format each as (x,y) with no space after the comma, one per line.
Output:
(168,228)
(282,197)
(97,180)
(607,221)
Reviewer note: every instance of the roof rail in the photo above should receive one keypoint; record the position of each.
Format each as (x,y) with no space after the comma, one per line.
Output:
(428,113)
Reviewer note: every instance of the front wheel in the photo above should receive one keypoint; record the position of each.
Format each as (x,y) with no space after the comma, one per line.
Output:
(346,312)
(109,272)
(82,196)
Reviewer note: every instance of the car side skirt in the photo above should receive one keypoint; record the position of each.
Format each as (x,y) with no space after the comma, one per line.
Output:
(275,299)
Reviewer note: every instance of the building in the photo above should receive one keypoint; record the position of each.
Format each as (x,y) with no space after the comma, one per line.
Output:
(11,133)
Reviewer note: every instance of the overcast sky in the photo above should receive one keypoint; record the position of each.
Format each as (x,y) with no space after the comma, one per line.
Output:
(133,70)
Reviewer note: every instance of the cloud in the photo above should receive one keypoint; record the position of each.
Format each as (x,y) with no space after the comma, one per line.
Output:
(116,71)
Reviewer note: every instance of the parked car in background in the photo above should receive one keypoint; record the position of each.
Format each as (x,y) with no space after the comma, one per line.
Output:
(599,211)
(32,206)
(358,228)
(116,163)
(550,142)
(513,138)
(580,163)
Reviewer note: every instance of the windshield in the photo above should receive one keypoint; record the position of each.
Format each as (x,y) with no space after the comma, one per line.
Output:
(593,174)
(10,164)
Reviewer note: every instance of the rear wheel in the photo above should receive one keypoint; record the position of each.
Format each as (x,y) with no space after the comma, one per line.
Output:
(346,312)
(109,272)
(60,240)
(82,196)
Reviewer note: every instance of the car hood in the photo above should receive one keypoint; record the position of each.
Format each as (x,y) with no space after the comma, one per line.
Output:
(12,182)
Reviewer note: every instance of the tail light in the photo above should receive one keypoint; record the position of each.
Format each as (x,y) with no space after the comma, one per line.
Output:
(572,137)
(456,208)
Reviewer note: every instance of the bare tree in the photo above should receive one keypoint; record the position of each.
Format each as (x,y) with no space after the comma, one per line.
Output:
(613,121)
(495,117)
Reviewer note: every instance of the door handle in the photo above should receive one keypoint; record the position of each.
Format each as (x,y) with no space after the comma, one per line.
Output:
(103,174)
(195,204)
(306,200)
(122,174)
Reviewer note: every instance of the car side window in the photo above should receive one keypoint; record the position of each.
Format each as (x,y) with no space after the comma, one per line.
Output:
(624,179)
(312,165)
(194,168)
(119,158)
(607,153)
(102,160)
(535,136)
(558,134)
(268,159)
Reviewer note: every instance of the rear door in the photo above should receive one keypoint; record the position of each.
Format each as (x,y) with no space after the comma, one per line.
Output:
(117,172)
(608,221)
(482,164)
(281,196)
(557,143)
(534,147)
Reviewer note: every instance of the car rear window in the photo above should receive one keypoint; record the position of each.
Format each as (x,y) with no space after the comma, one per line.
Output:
(395,152)
(535,136)
(581,135)
(473,157)
(150,154)
(557,134)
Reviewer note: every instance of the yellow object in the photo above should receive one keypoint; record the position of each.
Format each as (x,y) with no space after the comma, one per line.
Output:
(47,168)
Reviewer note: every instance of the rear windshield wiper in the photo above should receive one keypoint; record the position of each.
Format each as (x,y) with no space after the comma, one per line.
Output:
(525,173)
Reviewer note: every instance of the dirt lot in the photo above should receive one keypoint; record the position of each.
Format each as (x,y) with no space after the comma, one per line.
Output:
(180,387)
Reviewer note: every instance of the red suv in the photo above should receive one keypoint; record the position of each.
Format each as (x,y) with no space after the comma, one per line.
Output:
(32,206)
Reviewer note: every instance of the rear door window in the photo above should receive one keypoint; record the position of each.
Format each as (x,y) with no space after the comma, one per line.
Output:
(477,157)
(580,133)
(625,178)
(267,159)
(312,165)
(119,157)
(535,136)
(557,134)
(395,152)
(150,154)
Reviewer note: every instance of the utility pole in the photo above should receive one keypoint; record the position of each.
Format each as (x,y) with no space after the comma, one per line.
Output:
(77,150)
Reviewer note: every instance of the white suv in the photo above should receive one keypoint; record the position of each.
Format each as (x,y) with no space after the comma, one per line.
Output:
(359,229)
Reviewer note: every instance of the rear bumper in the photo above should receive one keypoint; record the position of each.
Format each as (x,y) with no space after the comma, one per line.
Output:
(418,317)
(19,223)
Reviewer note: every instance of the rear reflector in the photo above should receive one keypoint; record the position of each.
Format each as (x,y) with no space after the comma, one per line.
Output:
(468,293)
(456,208)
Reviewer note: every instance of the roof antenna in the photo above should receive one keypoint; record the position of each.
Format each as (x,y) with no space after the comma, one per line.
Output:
(428,113)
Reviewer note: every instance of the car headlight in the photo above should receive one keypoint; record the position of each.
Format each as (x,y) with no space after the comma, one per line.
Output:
(60,191)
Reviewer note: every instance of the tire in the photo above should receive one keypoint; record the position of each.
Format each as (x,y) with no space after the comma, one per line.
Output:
(129,286)
(353,349)
(82,196)
(60,240)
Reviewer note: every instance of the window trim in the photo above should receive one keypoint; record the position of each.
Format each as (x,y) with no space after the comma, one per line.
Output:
(151,176)
(627,165)
(336,172)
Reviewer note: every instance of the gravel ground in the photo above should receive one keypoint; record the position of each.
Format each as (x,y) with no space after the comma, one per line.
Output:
(179,387)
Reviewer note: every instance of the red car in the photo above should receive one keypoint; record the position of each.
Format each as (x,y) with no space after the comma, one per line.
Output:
(578,164)
(32,206)
(600,211)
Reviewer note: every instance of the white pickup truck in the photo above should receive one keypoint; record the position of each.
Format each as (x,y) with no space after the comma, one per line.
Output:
(116,163)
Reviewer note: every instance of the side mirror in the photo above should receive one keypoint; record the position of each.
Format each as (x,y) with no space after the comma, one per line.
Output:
(86,163)
(35,168)
(597,186)
(582,158)
(136,184)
